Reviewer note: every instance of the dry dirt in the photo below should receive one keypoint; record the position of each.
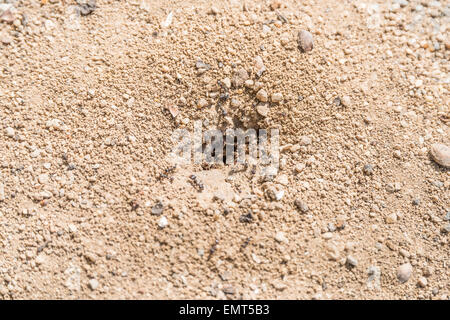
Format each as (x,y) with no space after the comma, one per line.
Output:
(87,105)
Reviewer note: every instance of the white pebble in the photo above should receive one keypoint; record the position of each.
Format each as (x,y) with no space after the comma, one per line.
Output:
(163,222)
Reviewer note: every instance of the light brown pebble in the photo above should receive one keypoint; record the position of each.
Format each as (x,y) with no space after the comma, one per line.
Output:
(422,282)
(239,78)
(305,41)
(262,109)
(305,141)
(262,96)
(202,103)
(277,97)
(441,154)
(346,101)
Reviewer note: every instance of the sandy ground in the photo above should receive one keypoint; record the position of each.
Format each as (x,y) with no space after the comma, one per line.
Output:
(90,95)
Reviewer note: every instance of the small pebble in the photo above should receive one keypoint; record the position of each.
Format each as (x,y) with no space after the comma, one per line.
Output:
(262,109)
(441,154)
(9,132)
(351,262)
(305,141)
(202,103)
(346,101)
(302,206)
(93,284)
(162,223)
(280,237)
(404,272)
(392,218)
(157,209)
(259,66)
(277,97)
(422,282)
(368,169)
(305,41)
(262,96)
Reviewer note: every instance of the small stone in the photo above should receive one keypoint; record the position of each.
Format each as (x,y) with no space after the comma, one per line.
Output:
(157,209)
(327,235)
(302,206)
(351,262)
(72,228)
(262,96)
(174,111)
(346,101)
(275,4)
(277,97)
(394,187)
(416,202)
(422,282)
(53,124)
(441,154)
(331,227)
(5,39)
(262,109)
(239,78)
(428,271)
(446,228)
(29,254)
(235,102)
(213,11)
(91,93)
(7,16)
(162,223)
(278,285)
(280,237)
(249,83)
(392,218)
(259,66)
(368,169)
(284,39)
(40,259)
(447,216)
(305,141)
(404,253)
(9,132)
(88,7)
(305,41)
(202,103)
(404,272)
(200,65)
(228,290)
(299,167)
(279,195)
(227,82)
(93,284)
(43,178)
